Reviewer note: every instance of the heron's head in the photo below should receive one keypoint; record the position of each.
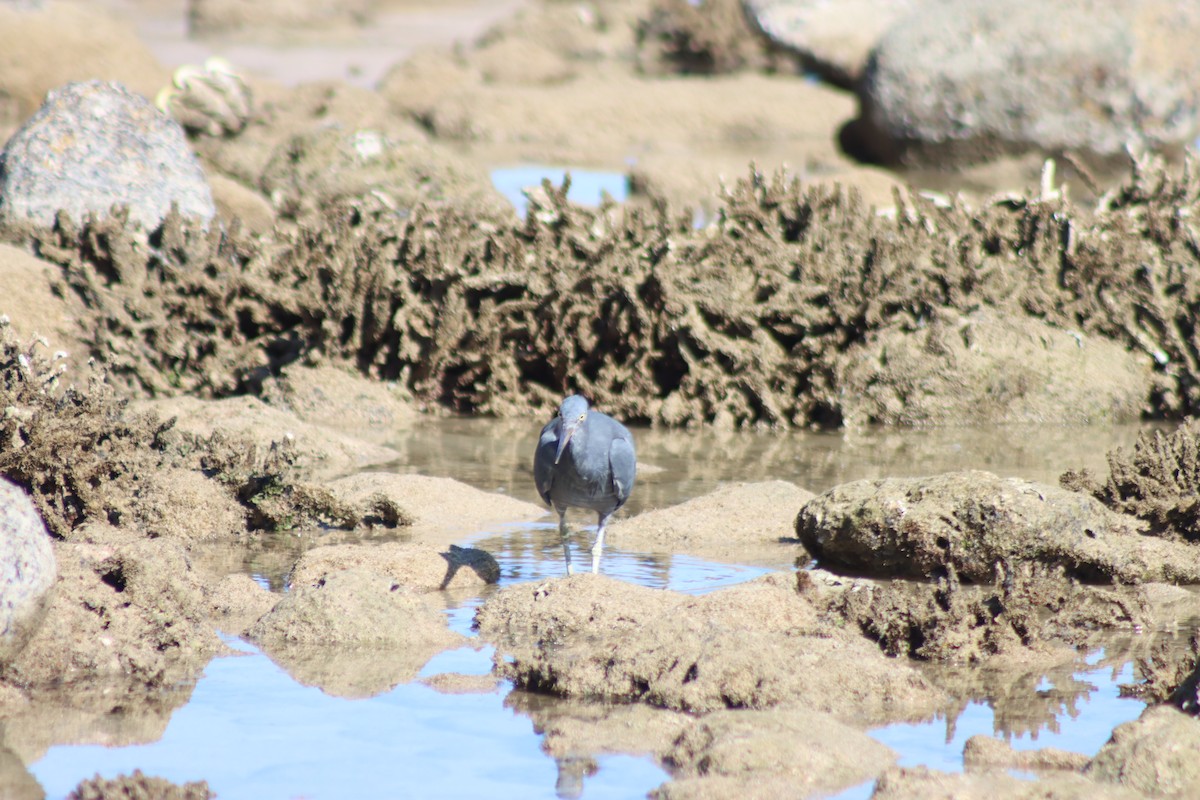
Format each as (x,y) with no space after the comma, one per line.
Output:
(571,415)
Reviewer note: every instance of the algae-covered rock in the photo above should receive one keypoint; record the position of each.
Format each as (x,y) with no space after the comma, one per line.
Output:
(921,783)
(1154,754)
(139,785)
(354,633)
(1158,482)
(794,750)
(972,521)
(756,645)
(124,609)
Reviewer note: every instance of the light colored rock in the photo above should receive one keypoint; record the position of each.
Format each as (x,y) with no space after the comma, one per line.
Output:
(237,601)
(325,164)
(27,569)
(125,609)
(834,39)
(962,81)
(235,201)
(987,752)
(33,307)
(93,145)
(356,606)
(341,398)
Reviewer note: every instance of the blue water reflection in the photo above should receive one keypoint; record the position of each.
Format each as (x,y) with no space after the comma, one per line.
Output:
(939,745)
(253,732)
(586,189)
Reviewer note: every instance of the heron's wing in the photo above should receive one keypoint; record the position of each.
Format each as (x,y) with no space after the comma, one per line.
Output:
(623,461)
(543,461)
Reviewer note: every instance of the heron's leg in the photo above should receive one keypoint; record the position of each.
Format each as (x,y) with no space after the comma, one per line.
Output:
(598,545)
(562,531)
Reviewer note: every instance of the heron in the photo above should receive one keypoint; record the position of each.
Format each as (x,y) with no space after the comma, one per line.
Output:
(584,459)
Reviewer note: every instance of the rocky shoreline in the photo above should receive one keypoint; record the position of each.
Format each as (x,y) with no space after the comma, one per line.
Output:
(219,352)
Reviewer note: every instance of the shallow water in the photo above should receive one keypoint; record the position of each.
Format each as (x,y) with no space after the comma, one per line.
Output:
(252,731)
(588,187)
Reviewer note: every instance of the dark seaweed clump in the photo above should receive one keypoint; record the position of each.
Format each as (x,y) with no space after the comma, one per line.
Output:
(82,453)
(138,785)
(1028,607)
(739,323)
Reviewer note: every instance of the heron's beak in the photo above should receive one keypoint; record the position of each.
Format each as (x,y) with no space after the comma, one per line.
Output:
(568,430)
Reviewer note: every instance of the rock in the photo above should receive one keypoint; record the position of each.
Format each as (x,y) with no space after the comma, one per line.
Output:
(741,522)
(960,82)
(442,509)
(234,201)
(778,752)
(973,520)
(834,40)
(127,610)
(318,166)
(355,633)
(101,46)
(282,113)
(27,569)
(922,783)
(458,683)
(187,505)
(416,86)
(988,752)
(516,61)
(356,606)
(16,782)
(987,368)
(32,304)
(690,38)
(93,145)
(755,645)
(236,602)
(337,397)
(414,566)
(1153,754)
(222,17)
(316,447)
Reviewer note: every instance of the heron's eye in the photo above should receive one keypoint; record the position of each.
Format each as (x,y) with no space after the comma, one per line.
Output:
(582,416)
